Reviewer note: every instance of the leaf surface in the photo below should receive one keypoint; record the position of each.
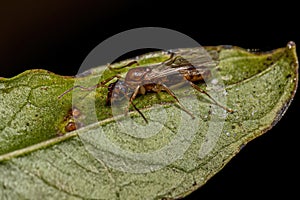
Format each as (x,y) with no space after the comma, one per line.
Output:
(172,156)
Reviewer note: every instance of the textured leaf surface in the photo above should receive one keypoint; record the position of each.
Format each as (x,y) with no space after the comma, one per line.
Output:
(39,160)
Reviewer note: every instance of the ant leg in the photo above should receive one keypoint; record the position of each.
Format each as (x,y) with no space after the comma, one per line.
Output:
(177,61)
(169,59)
(130,101)
(139,112)
(133,96)
(169,91)
(202,91)
(101,84)
(127,65)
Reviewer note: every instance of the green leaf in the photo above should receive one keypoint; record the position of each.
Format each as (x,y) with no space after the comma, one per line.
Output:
(170,157)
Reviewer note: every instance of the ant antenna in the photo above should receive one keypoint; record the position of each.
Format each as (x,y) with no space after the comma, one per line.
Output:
(101,84)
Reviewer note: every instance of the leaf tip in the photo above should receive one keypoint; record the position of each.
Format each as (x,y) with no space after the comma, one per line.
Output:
(291,45)
(291,49)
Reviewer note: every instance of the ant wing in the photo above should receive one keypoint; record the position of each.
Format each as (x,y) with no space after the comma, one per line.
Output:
(180,70)
(183,63)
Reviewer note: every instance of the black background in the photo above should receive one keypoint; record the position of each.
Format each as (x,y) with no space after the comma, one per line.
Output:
(57,36)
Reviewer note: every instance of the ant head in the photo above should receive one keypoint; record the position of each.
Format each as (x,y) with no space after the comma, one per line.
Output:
(116,92)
